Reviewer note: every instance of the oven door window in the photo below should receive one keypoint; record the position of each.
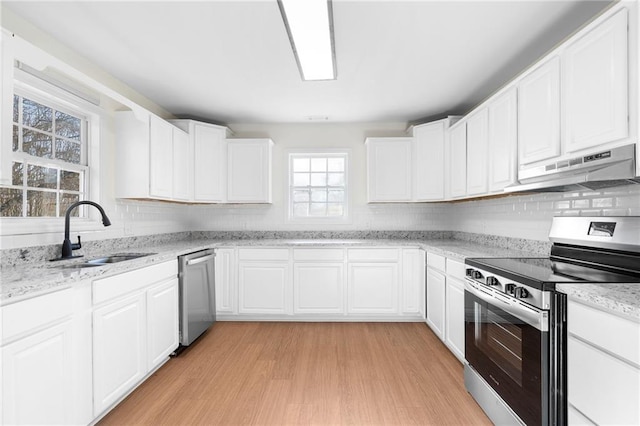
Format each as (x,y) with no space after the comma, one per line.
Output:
(509,354)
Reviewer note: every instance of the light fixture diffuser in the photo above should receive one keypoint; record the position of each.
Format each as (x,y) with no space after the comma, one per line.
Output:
(309,24)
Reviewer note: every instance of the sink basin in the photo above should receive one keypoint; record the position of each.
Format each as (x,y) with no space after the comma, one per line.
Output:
(115,258)
(105,260)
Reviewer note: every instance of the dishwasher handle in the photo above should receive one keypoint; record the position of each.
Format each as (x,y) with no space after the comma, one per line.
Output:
(199,259)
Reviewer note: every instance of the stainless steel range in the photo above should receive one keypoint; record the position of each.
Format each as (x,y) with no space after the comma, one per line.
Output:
(515,320)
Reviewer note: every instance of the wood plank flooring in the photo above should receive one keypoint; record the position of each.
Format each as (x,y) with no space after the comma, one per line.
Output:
(270,373)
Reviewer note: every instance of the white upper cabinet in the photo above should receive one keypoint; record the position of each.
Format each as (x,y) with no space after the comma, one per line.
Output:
(389,169)
(539,113)
(429,161)
(457,160)
(595,86)
(207,159)
(477,155)
(249,170)
(503,140)
(152,158)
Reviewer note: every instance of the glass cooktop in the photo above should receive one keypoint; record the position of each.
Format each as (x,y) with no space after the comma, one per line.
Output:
(544,273)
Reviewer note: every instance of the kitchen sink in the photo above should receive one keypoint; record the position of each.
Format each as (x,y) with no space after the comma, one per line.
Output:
(105,260)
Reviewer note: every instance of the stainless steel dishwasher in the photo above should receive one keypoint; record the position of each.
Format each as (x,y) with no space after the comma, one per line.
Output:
(197,294)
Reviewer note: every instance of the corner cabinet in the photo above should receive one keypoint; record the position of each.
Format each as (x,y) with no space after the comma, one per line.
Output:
(389,168)
(249,170)
(152,158)
(430,171)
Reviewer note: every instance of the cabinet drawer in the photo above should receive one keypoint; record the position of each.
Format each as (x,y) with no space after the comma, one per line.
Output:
(456,269)
(374,254)
(436,261)
(263,254)
(36,312)
(319,254)
(608,331)
(117,285)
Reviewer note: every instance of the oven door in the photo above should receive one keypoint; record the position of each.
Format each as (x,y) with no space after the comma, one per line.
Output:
(507,343)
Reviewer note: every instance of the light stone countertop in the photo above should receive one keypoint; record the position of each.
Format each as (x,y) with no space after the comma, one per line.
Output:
(26,281)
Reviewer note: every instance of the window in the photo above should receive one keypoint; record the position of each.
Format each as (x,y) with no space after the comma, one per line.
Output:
(318,186)
(49,159)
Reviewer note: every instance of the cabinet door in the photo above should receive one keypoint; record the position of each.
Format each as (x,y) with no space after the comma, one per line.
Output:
(539,113)
(225,281)
(249,173)
(119,340)
(318,287)
(503,141)
(436,302)
(458,161)
(454,310)
(389,169)
(595,86)
(160,158)
(413,262)
(264,287)
(373,288)
(36,378)
(477,155)
(181,165)
(209,164)
(162,322)
(429,162)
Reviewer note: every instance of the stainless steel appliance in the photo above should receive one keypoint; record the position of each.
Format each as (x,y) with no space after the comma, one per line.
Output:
(515,321)
(197,294)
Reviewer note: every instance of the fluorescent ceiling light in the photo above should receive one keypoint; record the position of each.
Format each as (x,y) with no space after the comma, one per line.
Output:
(309,24)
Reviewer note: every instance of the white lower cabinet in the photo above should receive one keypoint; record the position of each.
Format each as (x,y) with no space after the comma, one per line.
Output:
(318,288)
(436,290)
(412,301)
(603,367)
(225,268)
(263,287)
(454,310)
(373,288)
(135,328)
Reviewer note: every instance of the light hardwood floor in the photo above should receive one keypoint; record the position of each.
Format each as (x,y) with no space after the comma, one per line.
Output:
(270,373)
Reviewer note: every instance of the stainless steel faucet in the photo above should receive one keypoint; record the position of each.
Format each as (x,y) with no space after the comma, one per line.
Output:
(67,246)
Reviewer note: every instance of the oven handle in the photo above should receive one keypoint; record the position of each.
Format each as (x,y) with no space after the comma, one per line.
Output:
(533,317)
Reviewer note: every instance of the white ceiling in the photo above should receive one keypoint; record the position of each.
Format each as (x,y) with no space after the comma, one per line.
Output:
(231,61)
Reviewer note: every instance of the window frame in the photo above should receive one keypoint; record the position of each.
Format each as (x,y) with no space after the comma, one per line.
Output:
(290,155)
(93,116)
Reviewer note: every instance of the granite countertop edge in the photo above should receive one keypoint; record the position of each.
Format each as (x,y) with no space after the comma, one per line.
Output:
(27,281)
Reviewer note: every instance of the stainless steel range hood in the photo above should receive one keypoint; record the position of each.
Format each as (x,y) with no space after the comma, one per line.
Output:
(603,169)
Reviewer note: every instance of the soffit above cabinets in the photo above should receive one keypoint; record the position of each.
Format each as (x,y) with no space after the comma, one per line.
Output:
(231,61)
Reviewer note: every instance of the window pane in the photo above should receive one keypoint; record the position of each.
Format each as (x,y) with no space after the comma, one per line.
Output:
(40,203)
(16,108)
(334,209)
(65,201)
(337,196)
(68,151)
(15,138)
(336,164)
(42,177)
(36,143)
(336,179)
(318,179)
(68,126)
(16,175)
(69,181)
(36,115)
(10,202)
(301,179)
(318,195)
(299,196)
(301,165)
(301,209)
(318,209)
(318,164)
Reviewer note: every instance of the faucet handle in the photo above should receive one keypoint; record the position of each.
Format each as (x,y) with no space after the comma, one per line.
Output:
(78,245)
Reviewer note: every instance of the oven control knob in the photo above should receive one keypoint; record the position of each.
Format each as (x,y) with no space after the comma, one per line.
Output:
(509,288)
(469,272)
(520,293)
(477,275)
(492,281)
